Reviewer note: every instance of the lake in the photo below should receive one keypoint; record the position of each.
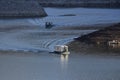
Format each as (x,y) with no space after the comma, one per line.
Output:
(25,45)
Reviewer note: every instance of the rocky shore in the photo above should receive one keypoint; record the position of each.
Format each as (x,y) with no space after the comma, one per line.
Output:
(102,36)
(12,8)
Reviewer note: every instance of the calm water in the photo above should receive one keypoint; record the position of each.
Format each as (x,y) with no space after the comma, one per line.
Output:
(59,67)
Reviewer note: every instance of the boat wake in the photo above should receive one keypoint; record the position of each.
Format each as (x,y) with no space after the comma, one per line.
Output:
(31,41)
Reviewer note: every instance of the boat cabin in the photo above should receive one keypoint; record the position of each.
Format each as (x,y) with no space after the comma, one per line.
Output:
(62,49)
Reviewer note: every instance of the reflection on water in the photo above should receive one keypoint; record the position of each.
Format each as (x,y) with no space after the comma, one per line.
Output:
(64,66)
(59,67)
(64,61)
(64,58)
(114,45)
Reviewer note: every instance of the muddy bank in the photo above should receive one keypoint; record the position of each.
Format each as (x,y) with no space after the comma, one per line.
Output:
(96,43)
(102,36)
(81,48)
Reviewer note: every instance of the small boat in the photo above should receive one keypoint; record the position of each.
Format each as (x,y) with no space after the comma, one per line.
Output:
(61,49)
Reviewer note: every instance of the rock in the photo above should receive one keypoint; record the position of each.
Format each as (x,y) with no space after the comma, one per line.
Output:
(20,8)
